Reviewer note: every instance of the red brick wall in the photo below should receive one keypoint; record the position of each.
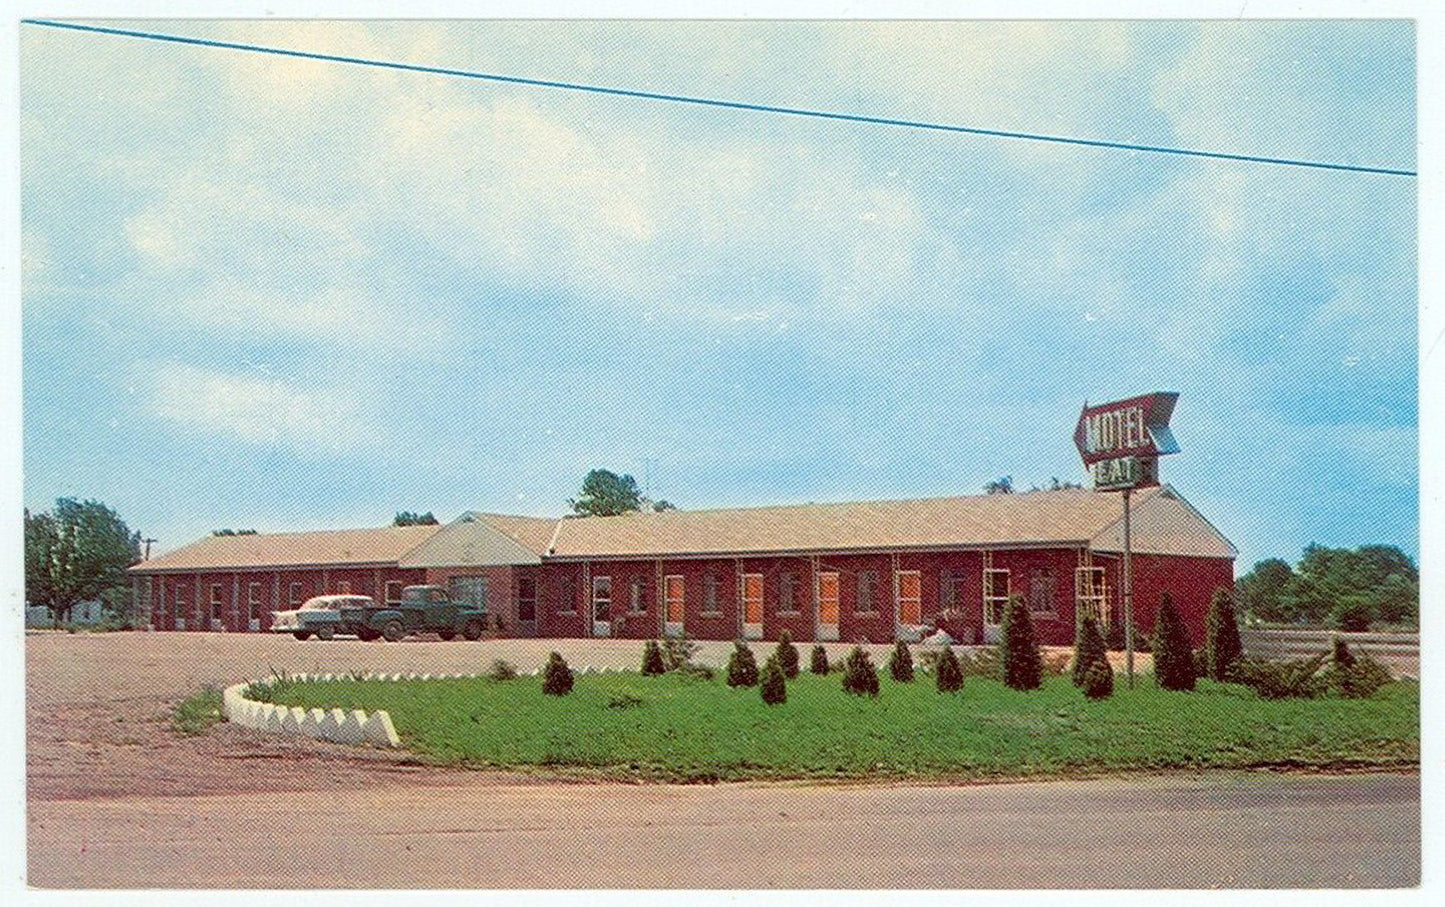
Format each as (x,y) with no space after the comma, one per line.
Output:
(1190,582)
(234,608)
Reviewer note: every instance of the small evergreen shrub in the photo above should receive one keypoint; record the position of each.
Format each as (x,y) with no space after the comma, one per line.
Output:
(1023,665)
(502,670)
(859,676)
(1201,663)
(1098,679)
(624,701)
(556,677)
(1293,679)
(1221,636)
(677,652)
(1173,655)
(900,663)
(742,666)
(1088,648)
(652,663)
(787,655)
(1354,677)
(773,682)
(949,673)
(819,661)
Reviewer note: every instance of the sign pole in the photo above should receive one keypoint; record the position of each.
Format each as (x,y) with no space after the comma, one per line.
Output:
(1128,596)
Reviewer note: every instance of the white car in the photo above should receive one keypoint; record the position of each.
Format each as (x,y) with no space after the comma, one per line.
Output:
(319,616)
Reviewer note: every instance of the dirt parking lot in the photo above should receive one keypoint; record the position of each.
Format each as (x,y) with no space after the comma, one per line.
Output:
(115,798)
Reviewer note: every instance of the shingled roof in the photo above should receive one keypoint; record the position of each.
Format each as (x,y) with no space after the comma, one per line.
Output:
(1164,523)
(292,549)
(1064,517)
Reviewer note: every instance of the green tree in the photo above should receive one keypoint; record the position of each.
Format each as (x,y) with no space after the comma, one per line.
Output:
(1098,681)
(949,676)
(859,676)
(407,518)
(1261,591)
(78,553)
(1173,654)
(1088,648)
(1018,647)
(742,666)
(557,676)
(652,664)
(787,655)
(900,663)
(774,684)
(605,493)
(818,661)
(1001,485)
(231,532)
(1222,646)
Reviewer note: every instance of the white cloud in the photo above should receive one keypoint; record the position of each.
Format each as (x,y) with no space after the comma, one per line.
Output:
(274,413)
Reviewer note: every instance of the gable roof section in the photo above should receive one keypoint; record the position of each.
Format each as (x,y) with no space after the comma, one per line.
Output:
(1165,523)
(336,547)
(484,540)
(1069,516)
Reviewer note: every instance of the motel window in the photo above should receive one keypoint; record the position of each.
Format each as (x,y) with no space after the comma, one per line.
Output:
(178,604)
(343,587)
(787,592)
(1091,595)
(393,592)
(216,601)
(995,596)
(253,601)
(468,591)
(709,592)
(637,595)
(526,598)
(601,598)
(294,596)
(867,601)
(1043,590)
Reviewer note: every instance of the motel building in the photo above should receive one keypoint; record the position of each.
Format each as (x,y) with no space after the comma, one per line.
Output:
(872,571)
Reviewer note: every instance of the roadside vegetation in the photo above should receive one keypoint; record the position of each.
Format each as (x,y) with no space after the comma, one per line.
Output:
(652,726)
(197,713)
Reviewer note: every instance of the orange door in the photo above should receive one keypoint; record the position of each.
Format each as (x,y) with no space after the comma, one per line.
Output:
(910,598)
(752,598)
(828,599)
(673,591)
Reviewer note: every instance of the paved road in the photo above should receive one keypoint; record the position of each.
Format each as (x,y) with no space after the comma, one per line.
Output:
(1221,831)
(115,799)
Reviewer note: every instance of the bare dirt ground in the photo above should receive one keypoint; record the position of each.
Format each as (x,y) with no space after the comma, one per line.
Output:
(116,798)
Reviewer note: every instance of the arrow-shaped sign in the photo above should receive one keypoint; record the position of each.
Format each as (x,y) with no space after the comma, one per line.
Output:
(1137,427)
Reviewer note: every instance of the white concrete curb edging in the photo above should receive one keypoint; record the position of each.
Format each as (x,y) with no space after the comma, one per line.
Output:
(354,727)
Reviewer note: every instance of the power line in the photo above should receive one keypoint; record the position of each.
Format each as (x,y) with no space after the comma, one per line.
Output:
(718,103)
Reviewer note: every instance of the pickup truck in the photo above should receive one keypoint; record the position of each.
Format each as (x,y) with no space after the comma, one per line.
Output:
(422,609)
(320,616)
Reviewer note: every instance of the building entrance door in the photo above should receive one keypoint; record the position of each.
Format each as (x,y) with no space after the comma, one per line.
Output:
(828,606)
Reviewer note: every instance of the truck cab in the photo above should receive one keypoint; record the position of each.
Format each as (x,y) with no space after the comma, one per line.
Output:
(422,609)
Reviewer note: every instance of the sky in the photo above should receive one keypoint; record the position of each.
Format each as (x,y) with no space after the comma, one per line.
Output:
(281,294)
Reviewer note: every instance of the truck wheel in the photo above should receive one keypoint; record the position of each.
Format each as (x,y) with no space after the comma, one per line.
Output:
(447,635)
(473,630)
(301,635)
(325,633)
(392,630)
(366,635)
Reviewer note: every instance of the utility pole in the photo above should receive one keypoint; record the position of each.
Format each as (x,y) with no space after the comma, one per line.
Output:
(148,543)
(1128,595)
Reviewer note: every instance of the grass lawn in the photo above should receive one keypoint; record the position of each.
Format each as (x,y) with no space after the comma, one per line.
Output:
(696,730)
